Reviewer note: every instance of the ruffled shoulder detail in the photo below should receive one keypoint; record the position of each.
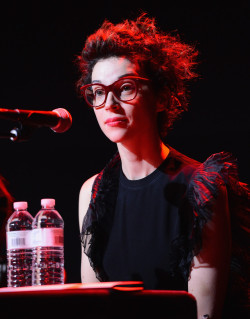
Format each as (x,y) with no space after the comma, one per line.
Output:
(221,169)
(98,219)
(218,169)
(202,191)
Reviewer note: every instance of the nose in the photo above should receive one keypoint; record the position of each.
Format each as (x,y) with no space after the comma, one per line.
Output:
(111,101)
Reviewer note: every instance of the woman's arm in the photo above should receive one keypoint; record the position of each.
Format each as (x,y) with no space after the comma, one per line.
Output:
(209,274)
(87,273)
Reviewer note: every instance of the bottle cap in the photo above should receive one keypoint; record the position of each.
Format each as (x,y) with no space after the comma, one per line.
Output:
(20,205)
(48,202)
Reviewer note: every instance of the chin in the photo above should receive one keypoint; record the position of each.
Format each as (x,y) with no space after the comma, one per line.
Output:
(116,136)
(115,139)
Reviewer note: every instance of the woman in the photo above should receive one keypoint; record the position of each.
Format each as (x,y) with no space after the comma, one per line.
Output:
(152,214)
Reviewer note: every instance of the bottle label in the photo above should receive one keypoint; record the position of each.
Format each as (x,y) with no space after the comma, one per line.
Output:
(21,239)
(47,237)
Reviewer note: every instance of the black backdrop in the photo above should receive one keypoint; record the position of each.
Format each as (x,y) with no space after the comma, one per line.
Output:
(39,42)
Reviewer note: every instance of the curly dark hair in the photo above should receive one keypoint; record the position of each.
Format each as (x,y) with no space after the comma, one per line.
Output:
(163,58)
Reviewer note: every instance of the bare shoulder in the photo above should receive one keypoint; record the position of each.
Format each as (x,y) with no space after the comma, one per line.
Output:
(84,197)
(87,185)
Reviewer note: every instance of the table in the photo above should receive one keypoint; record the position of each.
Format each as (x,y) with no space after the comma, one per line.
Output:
(98,300)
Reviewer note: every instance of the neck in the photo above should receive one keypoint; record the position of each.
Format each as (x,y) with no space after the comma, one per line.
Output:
(138,161)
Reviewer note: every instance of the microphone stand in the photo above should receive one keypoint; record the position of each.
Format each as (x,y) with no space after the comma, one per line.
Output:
(20,133)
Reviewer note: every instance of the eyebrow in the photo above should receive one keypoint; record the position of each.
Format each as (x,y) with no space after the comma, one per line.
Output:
(120,77)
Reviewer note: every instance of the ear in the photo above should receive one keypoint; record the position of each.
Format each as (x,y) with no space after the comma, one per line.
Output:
(163,100)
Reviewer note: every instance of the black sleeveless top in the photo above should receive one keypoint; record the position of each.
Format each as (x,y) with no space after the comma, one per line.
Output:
(151,229)
(150,214)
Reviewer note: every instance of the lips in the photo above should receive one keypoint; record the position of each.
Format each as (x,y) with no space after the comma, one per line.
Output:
(116,121)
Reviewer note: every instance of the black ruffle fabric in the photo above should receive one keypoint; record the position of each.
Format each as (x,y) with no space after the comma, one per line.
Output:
(98,219)
(201,194)
(221,169)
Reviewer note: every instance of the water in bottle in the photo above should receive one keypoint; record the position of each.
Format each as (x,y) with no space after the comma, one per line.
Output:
(19,246)
(48,251)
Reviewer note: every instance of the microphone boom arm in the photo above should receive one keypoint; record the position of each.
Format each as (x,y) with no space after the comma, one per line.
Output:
(37,118)
(59,120)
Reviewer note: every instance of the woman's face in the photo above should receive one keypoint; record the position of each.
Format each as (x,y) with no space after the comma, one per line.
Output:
(124,121)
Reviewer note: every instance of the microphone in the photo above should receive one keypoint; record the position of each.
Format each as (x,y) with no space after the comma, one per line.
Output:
(59,120)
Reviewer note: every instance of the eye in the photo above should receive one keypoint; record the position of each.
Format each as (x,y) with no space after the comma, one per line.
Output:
(98,91)
(127,88)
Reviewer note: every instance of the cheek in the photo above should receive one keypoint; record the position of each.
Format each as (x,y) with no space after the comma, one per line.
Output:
(145,109)
(98,115)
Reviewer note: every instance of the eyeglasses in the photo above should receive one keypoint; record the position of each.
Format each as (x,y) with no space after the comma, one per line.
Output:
(124,89)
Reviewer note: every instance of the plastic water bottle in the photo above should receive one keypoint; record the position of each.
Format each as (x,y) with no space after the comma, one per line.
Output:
(48,251)
(19,246)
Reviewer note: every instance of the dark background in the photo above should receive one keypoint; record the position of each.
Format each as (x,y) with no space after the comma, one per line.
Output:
(39,43)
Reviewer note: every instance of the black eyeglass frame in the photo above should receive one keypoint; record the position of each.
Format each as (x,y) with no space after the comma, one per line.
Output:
(109,88)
